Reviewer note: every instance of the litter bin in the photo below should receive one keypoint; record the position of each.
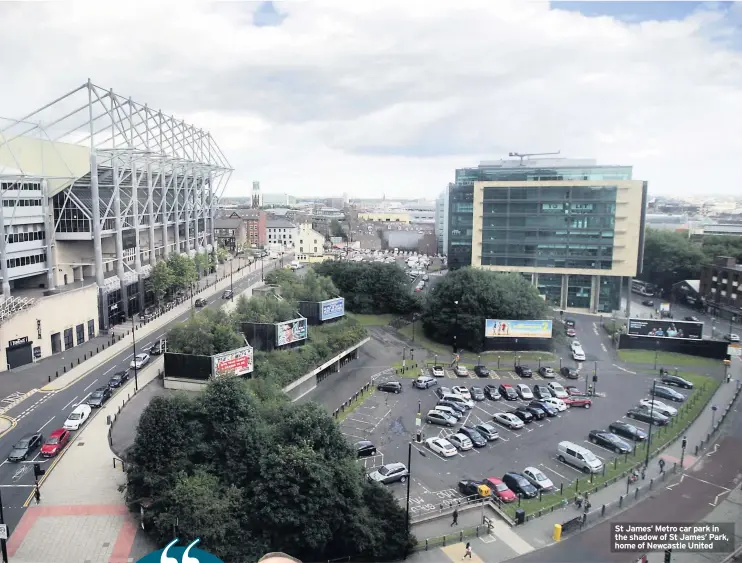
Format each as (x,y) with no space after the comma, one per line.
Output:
(520,516)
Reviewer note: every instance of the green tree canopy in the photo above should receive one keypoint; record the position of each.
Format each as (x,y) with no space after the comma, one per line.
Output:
(183,269)
(264,309)
(336,230)
(249,477)
(308,287)
(161,279)
(481,295)
(670,257)
(208,333)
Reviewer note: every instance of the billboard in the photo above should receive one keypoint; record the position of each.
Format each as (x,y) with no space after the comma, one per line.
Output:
(517,329)
(233,363)
(331,309)
(291,331)
(665,328)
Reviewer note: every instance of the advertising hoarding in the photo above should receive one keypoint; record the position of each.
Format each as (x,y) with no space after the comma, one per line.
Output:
(291,331)
(685,330)
(331,309)
(233,363)
(517,329)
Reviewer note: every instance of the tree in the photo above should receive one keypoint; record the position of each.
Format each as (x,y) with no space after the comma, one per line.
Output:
(161,279)
(336,229)
(222,254)
(209,333)
(202,263)
(481,295)
(183,269)
(670,257)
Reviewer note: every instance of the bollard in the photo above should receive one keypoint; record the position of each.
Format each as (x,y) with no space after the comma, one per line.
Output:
(561,489)
(577,485)
(602,510)
(64,369)
(620,501)
(50,378)
(57,375)
(96,349)
(461,535)
(78,361)
(615,463)
(636,493)
(72,365)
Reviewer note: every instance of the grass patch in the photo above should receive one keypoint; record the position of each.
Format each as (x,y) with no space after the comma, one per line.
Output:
(355,404)
(665,359)
(371,320)
(617,468)
(412,371)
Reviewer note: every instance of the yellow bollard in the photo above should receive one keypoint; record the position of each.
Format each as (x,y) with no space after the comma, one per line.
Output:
(557,532)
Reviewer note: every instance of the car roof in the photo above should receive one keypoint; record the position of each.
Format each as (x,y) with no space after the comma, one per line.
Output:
(82,407)
(364,443)
(533,469)
(395,465)
(495,480)
(506,385)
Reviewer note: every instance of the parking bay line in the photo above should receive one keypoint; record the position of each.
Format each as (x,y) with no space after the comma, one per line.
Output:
(425,452)
(554,472)
(561,463)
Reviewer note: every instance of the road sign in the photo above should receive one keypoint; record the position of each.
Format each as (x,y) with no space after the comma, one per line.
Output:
(734,349)
(3,531)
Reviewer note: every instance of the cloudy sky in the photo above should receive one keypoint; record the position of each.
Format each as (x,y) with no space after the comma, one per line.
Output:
(374,97)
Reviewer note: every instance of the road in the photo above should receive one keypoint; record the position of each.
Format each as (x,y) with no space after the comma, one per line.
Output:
(47,411)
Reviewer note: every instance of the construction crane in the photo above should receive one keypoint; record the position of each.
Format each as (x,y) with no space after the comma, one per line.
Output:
(530,154)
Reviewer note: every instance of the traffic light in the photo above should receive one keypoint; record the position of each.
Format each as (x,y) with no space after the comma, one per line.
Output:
(595,378)
(668,555)
(37,471)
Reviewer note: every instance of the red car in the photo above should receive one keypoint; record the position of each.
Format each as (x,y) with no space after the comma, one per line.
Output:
(571,332)
(500,489)
(573,391)
(56,441)
(575,401)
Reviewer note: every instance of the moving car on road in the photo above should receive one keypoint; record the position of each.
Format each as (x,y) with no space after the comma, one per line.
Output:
(523,371)
(666,393)
(482,371)
(227,294)
(438,371)
(509,420)
(626,430)
(648,303)
(692,319)
(546,372)
(732,337)
(390,387)
(55,442)
(646,415)
(200,302)
(659,407)
(99,396)
(571,332)
(578,401)
(524,392)
(491,392)
(25,447)
(139,361)
(157,349)
(461,442)
(609,441)
(578,355)
(468,488)
(389,473)
(500,490)
(77,417)
(441,446)
(538,479)
(118,379)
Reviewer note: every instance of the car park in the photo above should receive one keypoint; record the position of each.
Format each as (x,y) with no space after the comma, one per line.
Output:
(546,372)
(390,387)
(441,446)
(455,398)
(558,404)
(477,440)
(438,371)
(626,430)
(118,379)
(389,473)
(99,397)
(574,401)
(450,411)
(676,380)
(542,392)
(481,371)
(509,420)
(659,407)
(440,418)
(424,382)
(579,457)
(549,409)
(500,490)
(461,442)
(469,488)
(609,441)
(536,412)
(77,417)
(25,447)
(519,485)
(557,390)
(461,371)
(491,392)
(523,414)
(523,371)
(477,393)
(569,373)
(662,392)
(139,361)
(487,431)
(506,390)
(645,414)
(523,391)
(538,479)
(364,448)
(461,409)
(462,391)
(56,441)
(200,302)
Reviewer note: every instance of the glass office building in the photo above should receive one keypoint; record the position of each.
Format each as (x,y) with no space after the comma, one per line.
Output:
(574,227)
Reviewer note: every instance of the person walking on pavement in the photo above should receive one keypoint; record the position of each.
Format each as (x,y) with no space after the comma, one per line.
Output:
(455,520)
(467,553)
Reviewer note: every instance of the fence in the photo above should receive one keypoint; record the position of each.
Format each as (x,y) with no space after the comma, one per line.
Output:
(456,537)
(446,506)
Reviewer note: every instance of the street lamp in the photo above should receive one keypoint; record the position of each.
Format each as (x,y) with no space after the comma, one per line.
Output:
(3,542)
(231,281)
(651,423)
(262,261)
(656,352)
(134,356)
(456,328)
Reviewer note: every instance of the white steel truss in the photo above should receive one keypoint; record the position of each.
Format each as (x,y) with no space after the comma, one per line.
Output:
(148,173)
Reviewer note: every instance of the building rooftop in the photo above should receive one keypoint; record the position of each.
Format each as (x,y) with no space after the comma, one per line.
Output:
(541,163)
(227,223)
(280,224)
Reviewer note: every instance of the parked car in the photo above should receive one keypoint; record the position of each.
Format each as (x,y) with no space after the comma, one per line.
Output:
(579,457)
(609,441)
(99,396)
(677,381)
(461,371)
(118,379)
(558,404)
(573,391)
(441,446)
(523,371)
(646,415)
(456,398)
(139,361)
(477,393)
(557,390)
(461,391)
(200,302)
(157,349)
(509,420)
(449,411)
(692,319)
(732,337)
(550,410)
(389,473)
(56,441)
(442,391)
(476,438)
(578,401)
(25,447)
(488,431)
(537,412)
(659,407)
(538,479)
(523,391)
(519,485)
(569,373)
(364,448)
(424,382)
(666,393)
(506,390)
(571,332)
(469,488)
(461,409)
(390,387)
(546,372)
(440,418)
(438,371)
(626,430)
(523,414)
(77,417)
(500,490)
(482,371)
(227,294)
(461,442)
(542,392)
(491,392)
(648,303)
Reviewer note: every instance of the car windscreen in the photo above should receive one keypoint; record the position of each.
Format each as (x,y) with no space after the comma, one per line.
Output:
(384,470)
(589,456)
(96,395)
(539,476)
(53,441)
(75,416)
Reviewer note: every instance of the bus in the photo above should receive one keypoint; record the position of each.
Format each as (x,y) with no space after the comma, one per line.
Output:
(642,288)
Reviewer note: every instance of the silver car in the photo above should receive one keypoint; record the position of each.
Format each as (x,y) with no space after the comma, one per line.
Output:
(424,381)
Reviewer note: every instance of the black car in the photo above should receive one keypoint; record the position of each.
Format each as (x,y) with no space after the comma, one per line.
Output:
(25,447)
(542,392)
(508,392)
(455,406)
(678,381)
(626,430)
(390,387)
(476,438)
(98,397)
(666,393)
(692,319)
(523,414)
(200,302)
(487,431)
(365,448)
(519,485)
(227,294)
(477,393)
(468,488)
(482,371)
(491,392)
(537,412)
(569,323)
(118,379)
(157,348)
(609,441)
(645,414)
(523,371)
(569,373)
(648,303)
(546,407)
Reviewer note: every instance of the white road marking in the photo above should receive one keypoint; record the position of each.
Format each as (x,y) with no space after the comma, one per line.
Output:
(17,485)
(603,347)
(85,398)
(89,386)
(554,472)
(563,464)
(624,369)
(47,422)
(68,404)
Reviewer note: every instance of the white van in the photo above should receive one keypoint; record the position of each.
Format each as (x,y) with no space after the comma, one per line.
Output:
(579,457)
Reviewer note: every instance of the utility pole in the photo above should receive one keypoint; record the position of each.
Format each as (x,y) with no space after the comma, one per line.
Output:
(456,328)
(231,281)
(134,349)
(262,261)
(651,416)
(3,542)
(409,479)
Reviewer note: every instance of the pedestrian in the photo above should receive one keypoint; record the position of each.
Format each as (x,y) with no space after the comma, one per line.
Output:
(467,553)
(455,520)
(37,494)
(729,377)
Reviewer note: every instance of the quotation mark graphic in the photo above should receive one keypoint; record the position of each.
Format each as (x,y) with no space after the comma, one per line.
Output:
(164,558)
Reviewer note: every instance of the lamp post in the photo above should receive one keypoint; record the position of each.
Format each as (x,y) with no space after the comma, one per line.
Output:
(651,423)
(456,328)
(3,542)
(262,260)
(231,281)
(656,352)
(134,349)
(409,479)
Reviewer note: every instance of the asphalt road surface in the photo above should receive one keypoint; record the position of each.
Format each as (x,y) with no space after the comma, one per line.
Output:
(47,411)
